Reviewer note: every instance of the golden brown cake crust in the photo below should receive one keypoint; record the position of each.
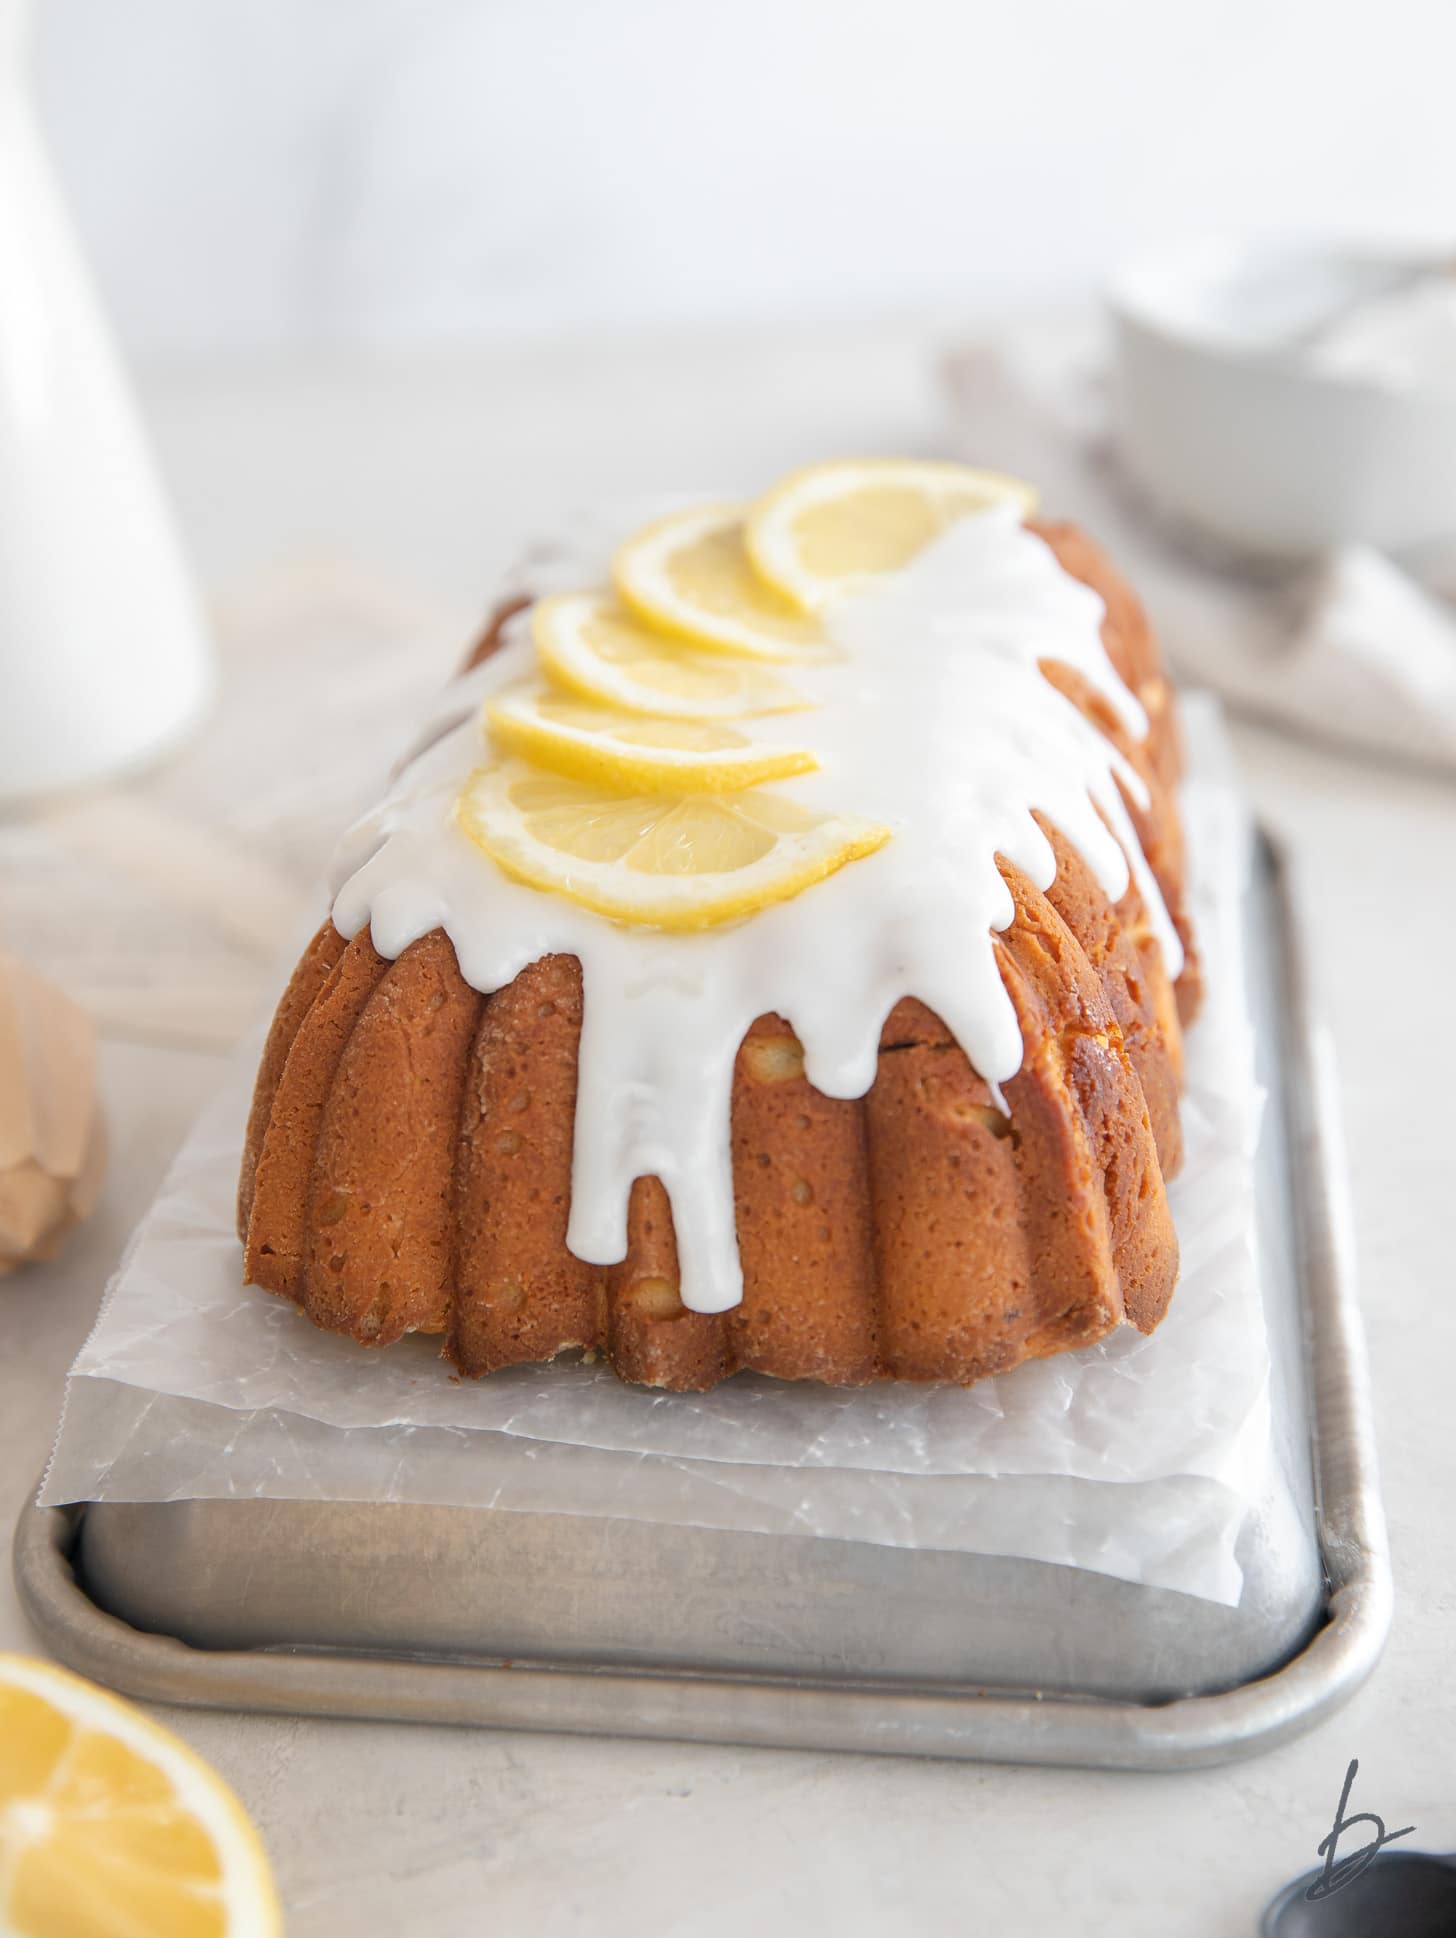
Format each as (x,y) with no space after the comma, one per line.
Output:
(408,1156)
(519,1293)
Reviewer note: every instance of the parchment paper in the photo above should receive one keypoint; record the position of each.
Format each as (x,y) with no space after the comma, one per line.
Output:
(1139,1457)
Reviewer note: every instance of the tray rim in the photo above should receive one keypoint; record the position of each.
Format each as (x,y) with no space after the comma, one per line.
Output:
(896,1718)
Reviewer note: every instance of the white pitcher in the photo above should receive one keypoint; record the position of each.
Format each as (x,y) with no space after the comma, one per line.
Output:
(103,656)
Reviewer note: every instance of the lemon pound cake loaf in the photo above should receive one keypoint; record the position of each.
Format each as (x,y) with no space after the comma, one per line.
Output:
(773,955)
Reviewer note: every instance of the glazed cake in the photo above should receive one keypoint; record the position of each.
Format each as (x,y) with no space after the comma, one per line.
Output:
(775,959)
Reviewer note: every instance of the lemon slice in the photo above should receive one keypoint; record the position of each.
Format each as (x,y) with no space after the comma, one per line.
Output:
(823,531)
(590,643)
(109,1826)
(690,575)
(671,861)
(634,751)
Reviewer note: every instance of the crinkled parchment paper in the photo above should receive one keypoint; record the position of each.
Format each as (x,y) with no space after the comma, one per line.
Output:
(1139,1457)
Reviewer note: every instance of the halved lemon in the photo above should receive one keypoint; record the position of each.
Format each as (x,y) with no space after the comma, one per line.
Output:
(589,642)
(827,529)
(110,1827)
(632,751)
(690,576)
(669,861)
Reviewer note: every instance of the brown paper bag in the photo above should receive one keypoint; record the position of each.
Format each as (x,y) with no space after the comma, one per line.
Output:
(52,1152)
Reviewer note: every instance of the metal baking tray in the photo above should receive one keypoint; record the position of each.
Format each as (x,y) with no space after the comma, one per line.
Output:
(617,1627)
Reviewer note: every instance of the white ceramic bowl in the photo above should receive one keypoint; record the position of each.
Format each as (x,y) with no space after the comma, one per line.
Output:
(1252,444)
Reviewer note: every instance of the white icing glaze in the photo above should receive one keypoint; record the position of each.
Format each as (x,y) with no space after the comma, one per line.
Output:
(935,721)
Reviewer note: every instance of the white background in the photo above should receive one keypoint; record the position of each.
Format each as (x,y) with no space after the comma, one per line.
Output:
(320,173)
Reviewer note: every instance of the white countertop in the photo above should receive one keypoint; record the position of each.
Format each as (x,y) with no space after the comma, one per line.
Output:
(427,477)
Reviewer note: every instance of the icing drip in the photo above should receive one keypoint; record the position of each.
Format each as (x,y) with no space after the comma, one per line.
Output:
(932,719)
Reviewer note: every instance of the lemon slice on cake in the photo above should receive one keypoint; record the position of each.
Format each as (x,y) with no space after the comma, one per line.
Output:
(589,642)
(670,861)
(689,575)
(635,752)
(110,1826)
(825,530)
